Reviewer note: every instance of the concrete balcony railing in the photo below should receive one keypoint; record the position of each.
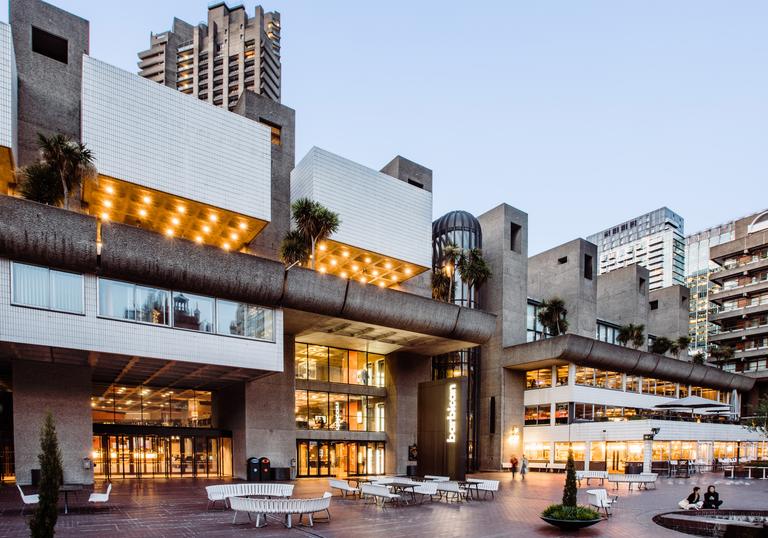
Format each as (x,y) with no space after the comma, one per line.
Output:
(738,334)
(720,314)
(751,353)
(725,273)
(744,290)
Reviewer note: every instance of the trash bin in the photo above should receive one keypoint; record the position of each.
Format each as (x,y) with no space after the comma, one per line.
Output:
(264,470)
(35,477)
(252,469)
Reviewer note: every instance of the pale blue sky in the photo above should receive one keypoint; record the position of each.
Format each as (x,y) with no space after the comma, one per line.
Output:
(581,113)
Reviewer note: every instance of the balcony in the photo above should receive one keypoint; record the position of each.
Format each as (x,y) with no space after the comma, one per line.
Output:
(738,291)
(731,271)
(720,314)
(751,353)
(738,334)
(159,58)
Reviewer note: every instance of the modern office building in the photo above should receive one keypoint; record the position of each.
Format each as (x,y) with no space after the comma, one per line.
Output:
(219,60)
(698,268)
(154,320)
(655,240)
(741,303)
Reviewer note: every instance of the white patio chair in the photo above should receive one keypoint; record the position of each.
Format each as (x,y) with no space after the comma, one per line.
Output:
(100,498)
(600,499)
(27,499)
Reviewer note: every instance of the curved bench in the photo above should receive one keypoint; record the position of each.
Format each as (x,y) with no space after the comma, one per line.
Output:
(642,480)
(222,492)
(283,507)
(589,475)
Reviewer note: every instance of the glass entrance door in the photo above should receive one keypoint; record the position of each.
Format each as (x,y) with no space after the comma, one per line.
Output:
(339,458)
(616,454)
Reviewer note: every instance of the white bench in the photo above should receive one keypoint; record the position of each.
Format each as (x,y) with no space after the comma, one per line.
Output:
(222,492)
(283,507)
(589,475)
(642,480)
(556,467)
(435,478)
(379,494)
(486,486)
(427,489)
(538,465)
(506,466)
(451,490)
(343,486)
(599,498)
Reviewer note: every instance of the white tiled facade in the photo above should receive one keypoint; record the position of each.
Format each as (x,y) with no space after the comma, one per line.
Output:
(89,332)
(145,133)
(378,212)
(8,90)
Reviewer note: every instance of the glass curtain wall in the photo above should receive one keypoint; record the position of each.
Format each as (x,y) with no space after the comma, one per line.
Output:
(339,458)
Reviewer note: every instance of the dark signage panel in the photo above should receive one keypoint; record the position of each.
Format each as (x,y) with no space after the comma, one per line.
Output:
(442,435)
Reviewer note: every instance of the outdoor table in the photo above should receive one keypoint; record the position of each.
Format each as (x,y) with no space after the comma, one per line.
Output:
(471,484)
(750,467)
(403,487)
(66,488)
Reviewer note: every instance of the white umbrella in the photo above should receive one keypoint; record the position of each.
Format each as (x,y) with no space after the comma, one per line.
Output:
(692,402)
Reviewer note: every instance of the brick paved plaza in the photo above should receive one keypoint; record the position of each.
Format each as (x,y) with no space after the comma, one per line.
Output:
(178,508)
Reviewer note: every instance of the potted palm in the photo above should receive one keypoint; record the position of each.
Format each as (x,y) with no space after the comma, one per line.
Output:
(569,516)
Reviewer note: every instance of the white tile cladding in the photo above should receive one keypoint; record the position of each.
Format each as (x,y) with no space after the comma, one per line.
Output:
(378,212)
(157,137)
(8,90)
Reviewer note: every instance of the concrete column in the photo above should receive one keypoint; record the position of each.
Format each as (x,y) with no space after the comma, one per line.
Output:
(571,375)
(587,454)
(65,391)
(647,455)
(260,414)
(512,415)
(403,374)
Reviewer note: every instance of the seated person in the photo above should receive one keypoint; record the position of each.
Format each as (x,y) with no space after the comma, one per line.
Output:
(693,501)
(712,498)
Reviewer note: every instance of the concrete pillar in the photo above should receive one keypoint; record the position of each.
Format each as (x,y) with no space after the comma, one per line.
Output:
(512,415)
(587,454)
(403,374)
(647,455)
(260,414)
(65,391)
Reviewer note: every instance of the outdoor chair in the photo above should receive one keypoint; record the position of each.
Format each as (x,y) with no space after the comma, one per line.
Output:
(100,498)
(600,499)
(27,499)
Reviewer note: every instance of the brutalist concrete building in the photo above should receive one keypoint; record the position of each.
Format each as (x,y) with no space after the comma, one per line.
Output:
(154,319)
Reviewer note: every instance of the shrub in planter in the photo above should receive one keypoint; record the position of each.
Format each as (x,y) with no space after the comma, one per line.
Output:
(568,515)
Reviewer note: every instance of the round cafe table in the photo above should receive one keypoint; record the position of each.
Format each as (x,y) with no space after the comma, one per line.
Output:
(66,489)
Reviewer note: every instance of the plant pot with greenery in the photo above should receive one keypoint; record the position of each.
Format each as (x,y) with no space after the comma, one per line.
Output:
(568,515)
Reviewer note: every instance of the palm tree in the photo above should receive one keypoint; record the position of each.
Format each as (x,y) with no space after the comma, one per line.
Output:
(661,345)
(553,316)
(698,358)
(64,165)
(441,286)
(473,269)
(721,352)
(679,345)
(631,333)
(452,255)
(314,222)
(293,249)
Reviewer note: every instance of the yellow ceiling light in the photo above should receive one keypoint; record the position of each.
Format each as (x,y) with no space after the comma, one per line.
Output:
(110,189)
(345,254)
(323,270)
(233,236)
(225,246)
(105,216)
(142,212)
(146,199)
(206,228)
(181,209)
(362,280)
(107,203)
(343,274)
(355,268)
(175,221)
(375,272)
(408,270)
(334,262)
(394,278)
(198,239)
(388,265)
(243,226)
(169,232)
(367,259)
(323,248)
(212,217)
(381,284)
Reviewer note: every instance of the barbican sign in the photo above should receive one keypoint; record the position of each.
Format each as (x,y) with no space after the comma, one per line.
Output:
(451,416)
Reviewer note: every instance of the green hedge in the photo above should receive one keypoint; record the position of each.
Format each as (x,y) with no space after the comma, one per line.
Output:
(581,513)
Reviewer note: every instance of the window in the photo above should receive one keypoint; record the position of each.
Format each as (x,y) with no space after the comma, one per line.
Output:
(562,375)
(123,300)
(515,237)
(561,413)
(193,312)
(415,183)
(607,332)
(50,45)
(241,319)
(538,379)
(588,269)
(641,286)
(632,383)
(585,376)
(537,415)
(275,129)
(534,329)
(562,260)
(338,362)
(654,305)
(50,289)
(583,411)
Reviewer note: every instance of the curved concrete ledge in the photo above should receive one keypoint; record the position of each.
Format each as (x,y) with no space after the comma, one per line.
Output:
(588,352)
(55,237)
(39,233)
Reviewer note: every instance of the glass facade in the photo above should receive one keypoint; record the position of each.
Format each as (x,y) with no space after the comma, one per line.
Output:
(339,458)
(150,406)
(322,363)
(534,330)
(317,410)
(607,332)
(180,310)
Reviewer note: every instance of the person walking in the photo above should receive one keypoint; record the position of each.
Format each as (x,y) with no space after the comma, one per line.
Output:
(524,467)
(513,462)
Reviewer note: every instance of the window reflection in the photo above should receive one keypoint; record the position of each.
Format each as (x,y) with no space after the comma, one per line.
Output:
(193,312)
(150,406)
(322,363)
